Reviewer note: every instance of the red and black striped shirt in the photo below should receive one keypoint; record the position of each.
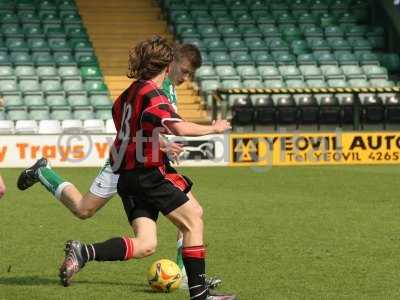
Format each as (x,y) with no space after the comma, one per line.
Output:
(139,114)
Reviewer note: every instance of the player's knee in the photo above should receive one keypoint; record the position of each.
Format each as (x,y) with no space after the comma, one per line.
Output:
(84,214)
(149,248)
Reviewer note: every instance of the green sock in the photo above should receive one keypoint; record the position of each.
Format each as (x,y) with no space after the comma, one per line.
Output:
(52,181)
(179,259)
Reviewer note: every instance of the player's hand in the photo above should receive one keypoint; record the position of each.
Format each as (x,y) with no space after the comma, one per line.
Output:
(173,150)
(220,126)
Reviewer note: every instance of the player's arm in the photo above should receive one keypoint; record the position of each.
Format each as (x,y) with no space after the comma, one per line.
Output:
(2,187)
(184,128)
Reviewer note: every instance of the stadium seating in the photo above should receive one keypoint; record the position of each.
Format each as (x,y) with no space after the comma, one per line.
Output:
(48,67)
(270,44)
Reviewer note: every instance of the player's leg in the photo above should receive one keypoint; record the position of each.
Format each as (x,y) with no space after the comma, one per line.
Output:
(103,188)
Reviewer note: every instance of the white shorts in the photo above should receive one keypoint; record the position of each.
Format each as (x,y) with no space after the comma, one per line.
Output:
(105,184)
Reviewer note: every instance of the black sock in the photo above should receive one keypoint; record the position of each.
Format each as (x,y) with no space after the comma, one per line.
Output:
(193,259)
(110,250)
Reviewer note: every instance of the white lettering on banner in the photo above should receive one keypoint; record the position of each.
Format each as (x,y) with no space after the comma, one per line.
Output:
(80,150)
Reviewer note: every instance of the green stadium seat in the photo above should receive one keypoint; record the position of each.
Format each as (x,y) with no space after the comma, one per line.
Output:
(209,85)
(299,47)
(310,72)
(290,72)
(290,33)
(262,58)
(39,113)
(56,99)
(88,59)
(285,18)
(71,18)
(278,44)
(353,72)
(241,58)
(43,59)
(316,83)
(228,31)
(270,31)
(5,59)
(83,113)
(231,84)
(46,71)
(51,85)
(59,44)
(337,83)
(346,58)
(227,72)
(307,18)
(49,17)
(12,31)
(29,85)
(332,72)
(339,44)
(215,44)
(3,46)
(61,113)
(77,32)
(250,31)
(65,5)
(220,58)
(245,19)
(325,59)
(6,72)
(17,113)
(361,45)
(25,72)
(73,85)
(368,58)
(224,19)
(69,72)
(283,58)
(95,86)
(91,72)
(34,99)
(13,99)
(235,44)
(103,114)
(208,31)
(327,20)
(347,19)
(356,31)
(3,117)
(264,18)
(275,83)
(79,99)
(38,44)
(318,44)
(46,5)
(306,59)
(295,83)
(64,59)
(33,31)
(358,83)
(381,83)
(256,44)
(17,44)
(206,72)
(313,31)
(269,73)
(252,83)
(7,17)
(8,85)
(248,72)
(100,101)
(21,58)
(375,72)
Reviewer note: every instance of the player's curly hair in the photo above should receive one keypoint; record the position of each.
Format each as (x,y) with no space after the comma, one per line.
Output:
(148,58)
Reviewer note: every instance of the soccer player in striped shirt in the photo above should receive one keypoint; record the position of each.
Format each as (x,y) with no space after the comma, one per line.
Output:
(140,114)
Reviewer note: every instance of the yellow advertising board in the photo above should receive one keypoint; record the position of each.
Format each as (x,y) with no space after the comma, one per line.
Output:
(315,148)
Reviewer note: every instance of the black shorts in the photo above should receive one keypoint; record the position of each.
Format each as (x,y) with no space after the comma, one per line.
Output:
(146,192)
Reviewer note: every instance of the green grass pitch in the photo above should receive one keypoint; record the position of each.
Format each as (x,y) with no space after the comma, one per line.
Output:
(288,233)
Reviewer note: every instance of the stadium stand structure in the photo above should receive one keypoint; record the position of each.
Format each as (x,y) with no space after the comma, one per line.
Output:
(49,73)
(114,27)
(290,44)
